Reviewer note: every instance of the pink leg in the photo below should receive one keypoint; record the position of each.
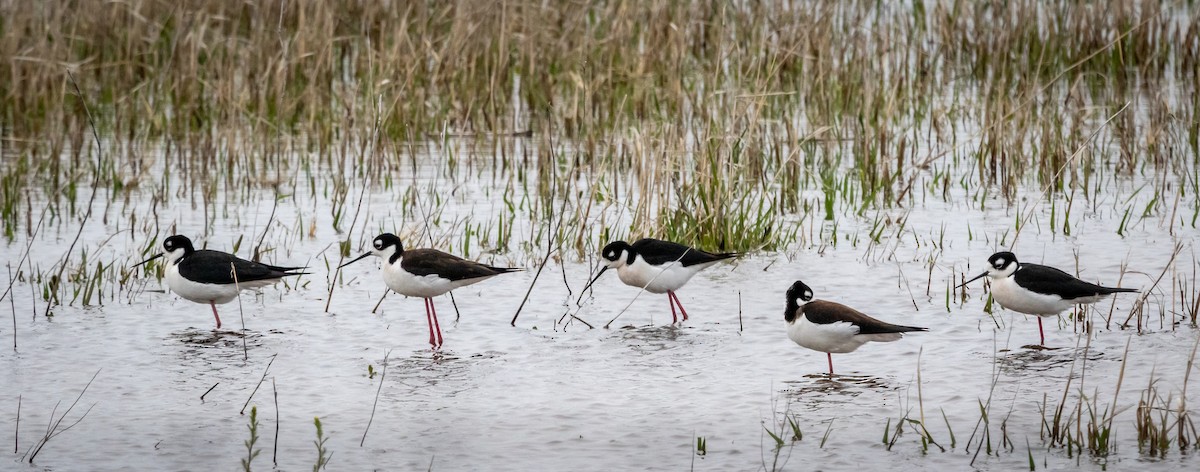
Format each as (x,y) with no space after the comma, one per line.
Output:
(429,319)
(671,301)
(435,324)
(681,310)
(830,356)
(1041,332)
(214,307)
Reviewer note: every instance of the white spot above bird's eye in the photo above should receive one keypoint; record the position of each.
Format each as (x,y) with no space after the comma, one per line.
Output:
(1001,262)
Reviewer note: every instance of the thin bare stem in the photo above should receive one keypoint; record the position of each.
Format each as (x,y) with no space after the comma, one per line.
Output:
(382,375)
(260,382)
(54,430)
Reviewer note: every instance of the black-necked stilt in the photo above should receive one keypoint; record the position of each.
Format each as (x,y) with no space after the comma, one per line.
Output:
(426,273)
(831,327)
(1037,289)
(213,277)
(657,266)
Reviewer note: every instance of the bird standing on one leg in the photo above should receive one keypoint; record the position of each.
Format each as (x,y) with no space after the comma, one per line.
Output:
(214,277)
(1039,290)
(831,327)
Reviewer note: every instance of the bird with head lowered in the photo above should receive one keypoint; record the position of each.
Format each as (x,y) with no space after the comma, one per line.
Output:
(426,273)
(832,327)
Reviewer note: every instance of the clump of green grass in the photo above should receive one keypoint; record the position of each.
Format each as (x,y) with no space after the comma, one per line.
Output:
(1163,422)
(784,431)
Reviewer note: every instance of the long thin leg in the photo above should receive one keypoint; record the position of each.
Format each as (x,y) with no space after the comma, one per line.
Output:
(436,326)
(681,310)
(1041,332)
(671,301)
(214,307)
(429,319)
(830,356)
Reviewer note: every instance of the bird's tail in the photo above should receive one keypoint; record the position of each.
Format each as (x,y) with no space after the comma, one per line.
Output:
(285,269)
(505,270)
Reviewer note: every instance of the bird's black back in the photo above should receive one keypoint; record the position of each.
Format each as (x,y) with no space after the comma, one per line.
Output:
(1051,281)
(826,312)
(447,266)
(209,266)
(658,252)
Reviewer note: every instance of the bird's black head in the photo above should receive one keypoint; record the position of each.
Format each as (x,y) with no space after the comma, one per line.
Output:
(798,293)
(1003,262)
(177,242)
(612,253)
(174,248)
(385,241)
(386,245)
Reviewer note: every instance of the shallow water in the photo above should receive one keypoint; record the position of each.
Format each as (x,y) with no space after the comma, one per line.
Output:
(632,397)
(546,395)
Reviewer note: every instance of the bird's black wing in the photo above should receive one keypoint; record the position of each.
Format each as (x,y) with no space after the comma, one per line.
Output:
(826,312)
(658,252)
(448,266)
(216,267)
(1051,281)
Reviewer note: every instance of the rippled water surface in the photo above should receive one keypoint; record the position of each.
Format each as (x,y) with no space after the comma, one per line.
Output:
(549,396)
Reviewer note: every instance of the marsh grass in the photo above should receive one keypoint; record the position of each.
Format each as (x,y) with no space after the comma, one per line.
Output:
(713,135)
(1161,422)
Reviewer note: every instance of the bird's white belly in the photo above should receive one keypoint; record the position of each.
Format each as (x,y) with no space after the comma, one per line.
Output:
(657,279)
(424,286)
(200,292)
(840,337)
(1009,295)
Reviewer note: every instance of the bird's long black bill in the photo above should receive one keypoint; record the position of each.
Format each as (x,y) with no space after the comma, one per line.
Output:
(589,284)
(977,277)
(156,256)
(359,258)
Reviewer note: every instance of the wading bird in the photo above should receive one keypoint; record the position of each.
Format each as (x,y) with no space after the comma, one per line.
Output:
(1037,289)
(213,277)
(657,266)
(831,327)
(426,273)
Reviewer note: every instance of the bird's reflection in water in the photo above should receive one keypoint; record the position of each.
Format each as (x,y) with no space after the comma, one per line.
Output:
(442,372)
(1041,359)
(646,339)
(820,390)
(216,338)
